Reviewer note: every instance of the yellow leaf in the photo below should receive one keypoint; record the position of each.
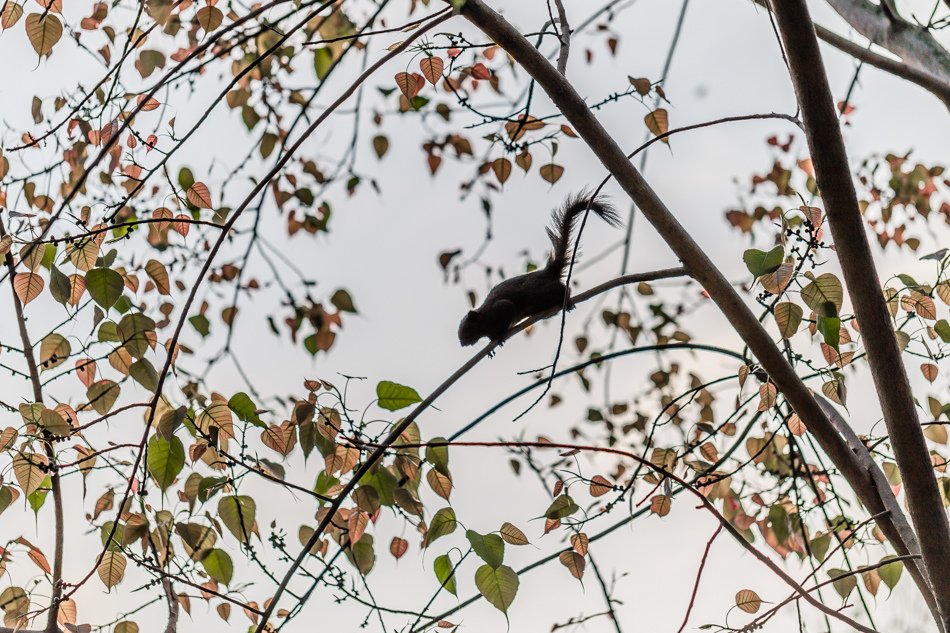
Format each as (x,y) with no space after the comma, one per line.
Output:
(43,31)
(658,122)
(748,601)
(112,568)
(28,286)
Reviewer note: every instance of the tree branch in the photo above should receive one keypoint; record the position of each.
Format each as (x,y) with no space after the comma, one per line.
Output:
(926,80)
(55,488)
(833,173)
(912,43)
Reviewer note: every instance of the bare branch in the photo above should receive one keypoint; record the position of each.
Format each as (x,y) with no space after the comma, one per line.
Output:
(565,38)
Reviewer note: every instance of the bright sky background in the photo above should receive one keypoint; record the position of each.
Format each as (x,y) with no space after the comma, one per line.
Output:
(384,250)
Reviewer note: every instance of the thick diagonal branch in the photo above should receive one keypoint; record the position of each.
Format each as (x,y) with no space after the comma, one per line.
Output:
(924,500)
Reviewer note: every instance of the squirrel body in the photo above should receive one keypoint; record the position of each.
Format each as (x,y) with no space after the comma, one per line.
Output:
(538,291)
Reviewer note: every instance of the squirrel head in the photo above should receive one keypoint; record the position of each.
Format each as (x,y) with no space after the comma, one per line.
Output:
(470,329)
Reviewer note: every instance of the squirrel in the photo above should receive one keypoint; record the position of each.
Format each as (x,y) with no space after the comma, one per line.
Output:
(541,290)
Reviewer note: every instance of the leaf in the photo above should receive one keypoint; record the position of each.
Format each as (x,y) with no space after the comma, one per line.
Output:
(748,601)
(489,547)
(112,568)
(159,275)
(442,524)
(54,350)
(431,68)
(562,506)
(43,30)
(102,395)
(761,263)
(245,409)
(891,572)
(238,513)
(83,254)
(105,286)
(502,169)
(499,586)
(166,458)
(440,484)
(126,626)
(599,486)
(342,301)
(380,145)
(825,288)
(27,472)
(580,543)
(408,84)
(28,286)
(199,196)
(512,535)
(930,371)
(210,17)
(658,122)
(218,565)
(445,573)
(393,396)
(551,173)
(398,547)
(12,12)
(574,562)
(660,505)
(788,317)
(322,61)
(844,582)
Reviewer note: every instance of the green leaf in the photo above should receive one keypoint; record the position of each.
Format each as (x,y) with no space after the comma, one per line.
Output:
(105,286)
(438,456)
(166,458)
(443,523)
(322,61)
(59,285)
(819,546)
(843,583)
(499,586)
(102,395)
(830,329)
(823,289)
(245,409)
(393,396)
(362,554)
(218,565)
(489,547)
(201,324)
(942,328)
(144,373)
(891,573)
(38,497)
(445,573)
(761,263)
(343,302)
(133,332)
(237,513)
(561,507)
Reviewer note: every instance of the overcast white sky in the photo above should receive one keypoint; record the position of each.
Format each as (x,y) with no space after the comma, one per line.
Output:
(384,248)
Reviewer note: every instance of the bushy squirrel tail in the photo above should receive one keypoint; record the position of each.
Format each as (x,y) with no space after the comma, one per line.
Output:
(562,226)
